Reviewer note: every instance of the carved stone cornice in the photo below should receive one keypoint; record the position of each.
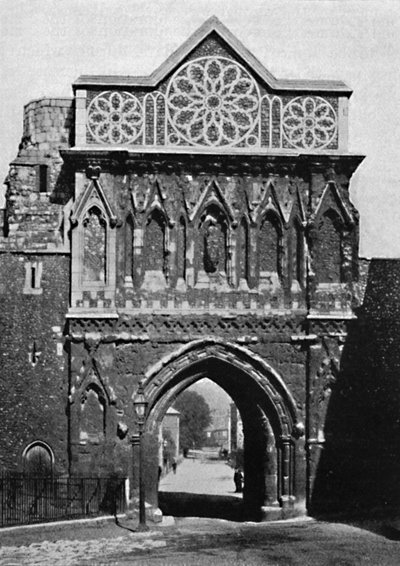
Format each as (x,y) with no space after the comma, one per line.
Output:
(167,328)
(197,160)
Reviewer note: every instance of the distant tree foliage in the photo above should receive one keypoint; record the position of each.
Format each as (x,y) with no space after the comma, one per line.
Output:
(195,417)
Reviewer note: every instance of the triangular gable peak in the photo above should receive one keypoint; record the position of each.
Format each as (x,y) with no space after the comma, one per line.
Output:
(332,199)
(266,199)
(213,27)
(157,200)
(212,94)
(93,195)
(213,194)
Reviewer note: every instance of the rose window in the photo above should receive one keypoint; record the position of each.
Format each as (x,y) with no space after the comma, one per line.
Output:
(309,122)
(115,117)
(213,101)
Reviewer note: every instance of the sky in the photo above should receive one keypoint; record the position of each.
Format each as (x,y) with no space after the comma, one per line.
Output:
(46,44)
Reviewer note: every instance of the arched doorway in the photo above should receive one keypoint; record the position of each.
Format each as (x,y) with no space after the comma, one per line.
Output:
(267,409)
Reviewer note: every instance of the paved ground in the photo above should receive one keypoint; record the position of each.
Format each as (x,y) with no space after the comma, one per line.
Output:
(195,541)
(204,542)
(213,477)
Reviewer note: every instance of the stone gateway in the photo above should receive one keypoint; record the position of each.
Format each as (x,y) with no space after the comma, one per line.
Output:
(194,223)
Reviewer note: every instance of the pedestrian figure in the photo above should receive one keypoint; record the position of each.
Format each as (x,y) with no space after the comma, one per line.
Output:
(238,480)
(174,465)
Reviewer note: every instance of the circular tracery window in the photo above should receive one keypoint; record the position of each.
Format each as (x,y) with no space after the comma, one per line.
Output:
(309,122)
(115,117)
(212,101)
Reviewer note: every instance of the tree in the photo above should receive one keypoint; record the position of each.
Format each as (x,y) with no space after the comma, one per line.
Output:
(195,417)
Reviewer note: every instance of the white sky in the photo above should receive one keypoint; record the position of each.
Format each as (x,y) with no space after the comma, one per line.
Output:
(46,44)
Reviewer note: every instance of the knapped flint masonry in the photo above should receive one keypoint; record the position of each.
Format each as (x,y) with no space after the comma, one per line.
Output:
(193,223)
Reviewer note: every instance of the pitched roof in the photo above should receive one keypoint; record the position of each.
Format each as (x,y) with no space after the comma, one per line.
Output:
(211,25)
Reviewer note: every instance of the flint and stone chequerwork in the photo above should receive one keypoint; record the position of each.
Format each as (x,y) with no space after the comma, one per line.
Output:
(193,223)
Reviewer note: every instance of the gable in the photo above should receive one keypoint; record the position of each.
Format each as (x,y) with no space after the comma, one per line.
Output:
(212,93)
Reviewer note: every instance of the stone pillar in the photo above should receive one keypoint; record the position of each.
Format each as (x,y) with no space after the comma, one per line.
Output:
(134,467)
(286,472)
(270,468)
(80,117)
(343,127)
(137,255)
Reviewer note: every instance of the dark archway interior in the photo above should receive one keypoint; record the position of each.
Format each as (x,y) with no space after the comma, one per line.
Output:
(261,428)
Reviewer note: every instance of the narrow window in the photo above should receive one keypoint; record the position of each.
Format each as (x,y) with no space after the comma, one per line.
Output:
(42,174)
(33,276)
(34,354)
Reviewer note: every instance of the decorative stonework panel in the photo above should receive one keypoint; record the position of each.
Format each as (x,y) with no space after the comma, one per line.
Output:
(115,117)
(213,101)
(168,327)
(154,243)
(94,258)
(268,246)
(309,122)
(328,250)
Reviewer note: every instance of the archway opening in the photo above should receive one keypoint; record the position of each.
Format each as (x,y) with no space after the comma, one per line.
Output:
(201,453)
(268,462)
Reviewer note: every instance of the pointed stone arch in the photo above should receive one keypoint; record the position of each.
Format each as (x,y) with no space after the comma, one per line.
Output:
(259,392)
(93,237)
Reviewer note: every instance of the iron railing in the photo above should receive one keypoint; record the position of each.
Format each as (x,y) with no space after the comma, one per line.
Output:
(26,499)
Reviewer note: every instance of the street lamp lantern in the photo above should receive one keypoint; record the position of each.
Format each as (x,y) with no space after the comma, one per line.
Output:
(140,404)
(140,407)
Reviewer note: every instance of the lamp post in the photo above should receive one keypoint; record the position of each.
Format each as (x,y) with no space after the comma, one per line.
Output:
(140,406)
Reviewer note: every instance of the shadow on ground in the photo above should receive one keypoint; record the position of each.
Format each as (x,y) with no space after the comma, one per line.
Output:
(180,504)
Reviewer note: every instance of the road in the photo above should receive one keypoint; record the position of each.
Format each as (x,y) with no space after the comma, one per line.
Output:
(195,541)
(204,542)
(212,477)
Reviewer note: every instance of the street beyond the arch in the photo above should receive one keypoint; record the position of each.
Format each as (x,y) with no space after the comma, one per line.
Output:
(201,541)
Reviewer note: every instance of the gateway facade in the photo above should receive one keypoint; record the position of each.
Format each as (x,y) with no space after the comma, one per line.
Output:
(193,223)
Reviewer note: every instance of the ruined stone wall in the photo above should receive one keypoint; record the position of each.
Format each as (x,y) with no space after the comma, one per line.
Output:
(47,124)
(37,185)
(34,289)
